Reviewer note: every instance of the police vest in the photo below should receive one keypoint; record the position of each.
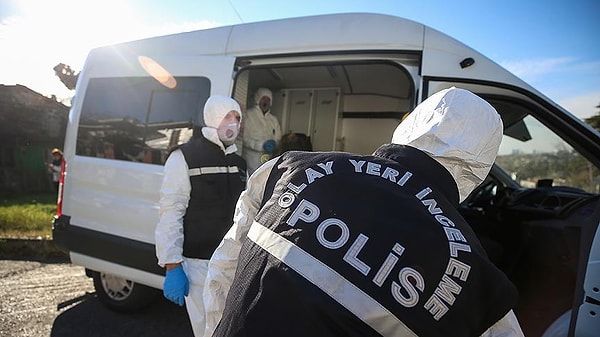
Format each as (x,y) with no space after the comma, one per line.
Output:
(217,181)
(348,245)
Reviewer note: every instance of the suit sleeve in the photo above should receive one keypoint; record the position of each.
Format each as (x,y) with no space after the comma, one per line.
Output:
(223,263)
(507,326)
(254,131)
(174,197)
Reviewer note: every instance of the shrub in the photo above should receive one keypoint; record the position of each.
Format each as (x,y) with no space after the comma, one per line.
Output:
(27,215)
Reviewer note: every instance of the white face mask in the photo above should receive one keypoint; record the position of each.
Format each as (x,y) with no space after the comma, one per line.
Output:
(229,132)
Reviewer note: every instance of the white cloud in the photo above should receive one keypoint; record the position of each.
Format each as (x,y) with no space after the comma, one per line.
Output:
(530,69)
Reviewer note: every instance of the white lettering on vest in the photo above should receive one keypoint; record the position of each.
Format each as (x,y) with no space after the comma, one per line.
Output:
(436,307)
(423,193)
(446,288)
(455,247)
(388,265)
(340,241)
(373,169)
(305,211)
(351,255)
(432,206)
(327,167)
(458,269)
(357,165)
(412,297)
(404,178)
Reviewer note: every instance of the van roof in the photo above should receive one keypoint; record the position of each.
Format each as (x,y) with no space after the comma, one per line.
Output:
(328,33)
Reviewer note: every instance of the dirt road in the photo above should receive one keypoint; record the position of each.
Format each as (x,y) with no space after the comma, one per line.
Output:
(58,300)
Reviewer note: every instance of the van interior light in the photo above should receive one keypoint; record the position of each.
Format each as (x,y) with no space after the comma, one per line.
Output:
(162,75)
(469,61)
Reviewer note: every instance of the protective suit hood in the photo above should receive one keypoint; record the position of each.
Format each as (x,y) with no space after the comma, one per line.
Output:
(262,92)
(459,130)
(215,109)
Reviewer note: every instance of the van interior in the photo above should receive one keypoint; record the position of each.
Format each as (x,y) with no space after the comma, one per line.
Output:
(351,106)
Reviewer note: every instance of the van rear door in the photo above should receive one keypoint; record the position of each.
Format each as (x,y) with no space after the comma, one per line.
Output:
(130,108)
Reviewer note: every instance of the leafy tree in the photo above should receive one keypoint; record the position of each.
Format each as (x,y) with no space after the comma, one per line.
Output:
(66,75)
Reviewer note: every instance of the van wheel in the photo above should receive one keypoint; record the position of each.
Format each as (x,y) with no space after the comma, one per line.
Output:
(122,295)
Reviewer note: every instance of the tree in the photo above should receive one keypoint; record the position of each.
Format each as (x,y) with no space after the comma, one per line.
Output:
(594,121)
(66,75)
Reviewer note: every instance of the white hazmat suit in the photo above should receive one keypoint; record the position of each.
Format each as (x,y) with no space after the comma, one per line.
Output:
(259,127)
(174,198)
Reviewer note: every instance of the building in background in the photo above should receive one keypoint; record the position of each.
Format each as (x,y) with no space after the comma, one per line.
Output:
(31,125)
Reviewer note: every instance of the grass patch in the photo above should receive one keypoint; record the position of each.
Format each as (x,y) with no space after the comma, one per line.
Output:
(27,216)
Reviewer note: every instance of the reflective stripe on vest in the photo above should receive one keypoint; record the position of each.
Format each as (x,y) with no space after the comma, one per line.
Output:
(212,170)
(329,281)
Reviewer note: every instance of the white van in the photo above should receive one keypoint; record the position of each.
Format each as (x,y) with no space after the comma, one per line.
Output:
(345,80)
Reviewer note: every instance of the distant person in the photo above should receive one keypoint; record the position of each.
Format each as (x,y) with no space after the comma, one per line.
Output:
(109,150)
(340,244)
(261,131)
(202,181)
(54,167)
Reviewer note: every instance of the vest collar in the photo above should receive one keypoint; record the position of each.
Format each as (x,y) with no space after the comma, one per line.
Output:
(419,161)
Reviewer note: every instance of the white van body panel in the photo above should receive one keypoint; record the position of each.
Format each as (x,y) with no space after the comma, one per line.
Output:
(346,32)
(132,274)
(100,191)
(588,319)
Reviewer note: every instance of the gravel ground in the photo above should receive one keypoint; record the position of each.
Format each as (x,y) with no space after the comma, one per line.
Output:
(58,300)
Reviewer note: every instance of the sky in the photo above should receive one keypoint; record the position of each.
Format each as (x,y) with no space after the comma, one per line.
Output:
(551,44)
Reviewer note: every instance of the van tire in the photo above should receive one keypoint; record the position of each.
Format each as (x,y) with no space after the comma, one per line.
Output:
(122,295)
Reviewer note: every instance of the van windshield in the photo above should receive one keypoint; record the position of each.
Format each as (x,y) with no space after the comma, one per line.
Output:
(541,156)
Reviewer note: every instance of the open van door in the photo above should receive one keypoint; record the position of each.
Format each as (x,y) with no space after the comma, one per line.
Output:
(537,212)
(133,104)
(585,320)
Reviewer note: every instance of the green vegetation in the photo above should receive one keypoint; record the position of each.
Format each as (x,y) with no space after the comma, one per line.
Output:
(565,167)
(27,216)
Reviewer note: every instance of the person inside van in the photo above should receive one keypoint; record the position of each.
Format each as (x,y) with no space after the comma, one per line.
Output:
(261,131)
(202,181)
(293,141)
(341,244)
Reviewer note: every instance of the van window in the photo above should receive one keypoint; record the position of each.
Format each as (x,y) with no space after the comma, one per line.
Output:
(533,154)
(138,119)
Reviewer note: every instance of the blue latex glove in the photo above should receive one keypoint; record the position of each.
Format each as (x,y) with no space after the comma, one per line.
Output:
(269,146)
(176,285)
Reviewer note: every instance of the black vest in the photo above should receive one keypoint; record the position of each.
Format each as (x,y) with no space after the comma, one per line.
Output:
(217,181)
(348,245)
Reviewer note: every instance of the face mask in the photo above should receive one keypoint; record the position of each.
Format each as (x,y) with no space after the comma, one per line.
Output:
(265,107)
(228,133)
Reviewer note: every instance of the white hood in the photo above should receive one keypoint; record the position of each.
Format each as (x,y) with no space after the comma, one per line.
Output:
(260,93)
(215,109)
(459,130)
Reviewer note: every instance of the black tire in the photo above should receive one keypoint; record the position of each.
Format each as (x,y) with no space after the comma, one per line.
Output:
(122,295)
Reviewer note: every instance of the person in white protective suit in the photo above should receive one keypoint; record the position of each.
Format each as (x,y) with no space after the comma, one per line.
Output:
(337,244)
(262,131)
(202,181)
